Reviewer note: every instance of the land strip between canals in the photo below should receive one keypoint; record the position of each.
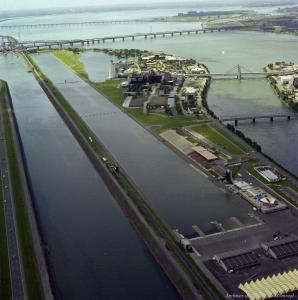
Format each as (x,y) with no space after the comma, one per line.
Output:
(157,236)
(34,282)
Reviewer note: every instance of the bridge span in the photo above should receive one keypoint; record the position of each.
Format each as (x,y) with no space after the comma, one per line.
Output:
(271,118)
(49,44)
(71,24)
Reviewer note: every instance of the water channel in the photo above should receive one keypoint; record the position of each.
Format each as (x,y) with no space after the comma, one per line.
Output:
(94,252)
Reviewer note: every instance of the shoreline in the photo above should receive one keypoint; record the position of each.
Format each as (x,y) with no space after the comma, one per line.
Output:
(138,218)
(33,217)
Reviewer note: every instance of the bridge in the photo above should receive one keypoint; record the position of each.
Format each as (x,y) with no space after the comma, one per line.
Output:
(71,24)
(237,73)
(50,44)
(255,118)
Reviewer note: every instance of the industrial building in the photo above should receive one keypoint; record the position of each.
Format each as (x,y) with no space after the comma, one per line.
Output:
(258,197)
(268,174)
(235,260)
(282,248)
(206,154)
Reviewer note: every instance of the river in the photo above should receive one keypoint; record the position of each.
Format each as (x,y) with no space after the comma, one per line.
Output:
(221,52)
(74,221)
(93,250)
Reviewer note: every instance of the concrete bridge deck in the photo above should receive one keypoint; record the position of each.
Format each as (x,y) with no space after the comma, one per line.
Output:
(46,44)
(261,117)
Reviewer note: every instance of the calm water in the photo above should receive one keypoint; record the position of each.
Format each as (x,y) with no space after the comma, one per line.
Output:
(94,252)
(255,97)
(97,65)
(221,52)
(181,195)
(77,216)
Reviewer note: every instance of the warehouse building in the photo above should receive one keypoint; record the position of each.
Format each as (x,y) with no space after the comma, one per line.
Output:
(235,260)
(282,248)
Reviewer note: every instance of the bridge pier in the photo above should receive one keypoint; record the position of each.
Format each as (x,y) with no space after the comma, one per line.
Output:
(82,43)
(123,39)
(188,32)
(271,119)
(93,42)
(197,31)
(113,40)
(236,122)
(204,31)
(163,35)
(172,34)
(132,38)
(180,33)
(289,118)
(154,35)
(254,120)
(145,36)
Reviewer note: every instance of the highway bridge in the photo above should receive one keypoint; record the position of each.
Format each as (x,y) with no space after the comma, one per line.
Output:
(49,44)
(271,118)
(70,24)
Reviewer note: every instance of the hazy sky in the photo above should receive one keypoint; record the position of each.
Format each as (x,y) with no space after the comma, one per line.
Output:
(29,4)
(22,4)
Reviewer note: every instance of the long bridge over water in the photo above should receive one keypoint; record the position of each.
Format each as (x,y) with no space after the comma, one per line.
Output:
(49,44)
(71,24)
(271,118)
(235,73)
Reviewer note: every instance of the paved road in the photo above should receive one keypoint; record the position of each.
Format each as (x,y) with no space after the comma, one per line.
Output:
(13,247)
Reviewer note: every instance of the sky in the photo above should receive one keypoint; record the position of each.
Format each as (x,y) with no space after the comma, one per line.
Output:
(31,4)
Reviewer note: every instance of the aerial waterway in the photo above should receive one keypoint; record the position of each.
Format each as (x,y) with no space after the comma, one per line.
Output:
(253,50)
(180,194)
(93,251)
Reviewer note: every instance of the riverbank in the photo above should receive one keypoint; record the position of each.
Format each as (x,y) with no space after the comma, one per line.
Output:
(5,279)
(286,87)
(112,89)
(36,279)
(119,175)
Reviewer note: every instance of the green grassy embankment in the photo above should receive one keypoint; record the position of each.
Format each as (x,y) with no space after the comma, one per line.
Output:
(5,280)
(112,89)
(30,266)
(219,137)
(72,60)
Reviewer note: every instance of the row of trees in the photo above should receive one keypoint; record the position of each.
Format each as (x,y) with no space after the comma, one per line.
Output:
(248,140)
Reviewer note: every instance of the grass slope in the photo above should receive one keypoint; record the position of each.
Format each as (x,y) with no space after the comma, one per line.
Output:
(219,137)
(72,60)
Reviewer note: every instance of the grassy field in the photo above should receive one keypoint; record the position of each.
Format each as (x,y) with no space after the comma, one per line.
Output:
(5,281)
(112,89)
(219,137)
(163,121)
(30,267)
(72,60)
